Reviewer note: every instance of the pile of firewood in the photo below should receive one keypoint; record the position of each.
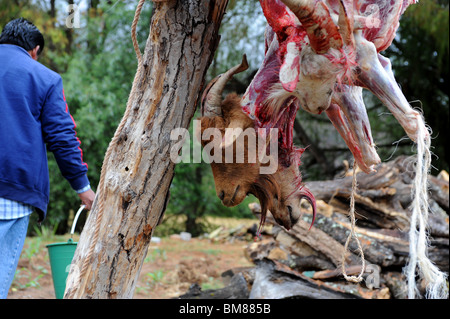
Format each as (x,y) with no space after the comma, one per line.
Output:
(306,262)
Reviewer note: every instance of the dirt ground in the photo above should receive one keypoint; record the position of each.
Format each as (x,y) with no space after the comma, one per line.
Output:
(169,268)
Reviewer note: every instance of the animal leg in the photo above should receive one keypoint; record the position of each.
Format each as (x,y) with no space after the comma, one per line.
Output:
(376,75)
(351,103)
(341,123)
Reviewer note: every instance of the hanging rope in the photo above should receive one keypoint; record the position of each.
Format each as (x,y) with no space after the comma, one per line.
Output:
(133,32)
(418,239)
(358,278)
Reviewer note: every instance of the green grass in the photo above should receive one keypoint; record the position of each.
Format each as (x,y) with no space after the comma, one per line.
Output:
(212,283)
(23,278)
(155,255)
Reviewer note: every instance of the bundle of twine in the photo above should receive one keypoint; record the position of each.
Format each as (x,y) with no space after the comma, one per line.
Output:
(419,265)
(418,238)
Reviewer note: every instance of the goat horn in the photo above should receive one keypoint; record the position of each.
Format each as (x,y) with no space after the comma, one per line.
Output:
(306,194)
(346,22)
(316,19)
(212,96)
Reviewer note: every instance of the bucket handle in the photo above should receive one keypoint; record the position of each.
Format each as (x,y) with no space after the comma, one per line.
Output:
(76,219)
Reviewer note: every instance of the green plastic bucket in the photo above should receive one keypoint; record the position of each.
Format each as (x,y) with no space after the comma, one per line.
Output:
(61,255)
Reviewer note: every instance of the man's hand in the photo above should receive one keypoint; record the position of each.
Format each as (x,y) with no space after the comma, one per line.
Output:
(87,198)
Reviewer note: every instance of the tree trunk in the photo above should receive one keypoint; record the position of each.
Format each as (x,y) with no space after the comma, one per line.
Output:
(137,169)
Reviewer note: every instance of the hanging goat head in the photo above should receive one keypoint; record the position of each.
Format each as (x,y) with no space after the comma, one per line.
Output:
(234,179)
(278,192)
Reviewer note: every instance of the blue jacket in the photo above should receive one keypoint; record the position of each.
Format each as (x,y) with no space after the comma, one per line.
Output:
(34,114)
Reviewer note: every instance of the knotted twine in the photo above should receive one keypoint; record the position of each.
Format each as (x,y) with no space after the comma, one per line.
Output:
(352,233)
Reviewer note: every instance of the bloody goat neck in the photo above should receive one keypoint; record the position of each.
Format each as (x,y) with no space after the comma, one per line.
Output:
(279,112)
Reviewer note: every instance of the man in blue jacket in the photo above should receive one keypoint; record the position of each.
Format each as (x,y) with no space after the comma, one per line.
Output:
(34,118)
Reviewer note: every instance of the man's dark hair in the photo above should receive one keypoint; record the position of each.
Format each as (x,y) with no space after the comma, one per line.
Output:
(23,33)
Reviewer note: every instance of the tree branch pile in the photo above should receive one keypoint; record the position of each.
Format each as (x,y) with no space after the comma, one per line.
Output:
(306,263)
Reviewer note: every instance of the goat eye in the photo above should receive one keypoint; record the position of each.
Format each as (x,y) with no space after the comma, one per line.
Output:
(289,209)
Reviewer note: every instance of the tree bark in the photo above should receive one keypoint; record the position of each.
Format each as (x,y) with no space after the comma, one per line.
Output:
(138,173)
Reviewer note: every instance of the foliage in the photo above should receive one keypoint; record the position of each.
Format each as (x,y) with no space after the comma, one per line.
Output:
(23,278)
(57,47)
(97,83)
(154,277)
(431,18)
(242,31)
(421,63)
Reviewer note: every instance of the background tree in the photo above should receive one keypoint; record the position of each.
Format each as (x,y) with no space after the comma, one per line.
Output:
(421,62)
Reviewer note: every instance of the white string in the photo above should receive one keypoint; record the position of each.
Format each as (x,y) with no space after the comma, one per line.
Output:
(418,239)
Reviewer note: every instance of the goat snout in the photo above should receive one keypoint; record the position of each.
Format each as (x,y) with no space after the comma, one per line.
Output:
(294,215)
(231,198)
(287,217)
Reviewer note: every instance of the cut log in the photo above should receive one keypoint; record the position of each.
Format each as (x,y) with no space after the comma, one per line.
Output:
(237,289)
(396,282)
(276,281)
(375,214)
(392,183)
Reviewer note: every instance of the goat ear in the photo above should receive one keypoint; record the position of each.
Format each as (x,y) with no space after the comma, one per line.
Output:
(233,131)
(205,123)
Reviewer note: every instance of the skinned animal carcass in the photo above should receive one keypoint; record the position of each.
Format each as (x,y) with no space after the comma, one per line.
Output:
(319,56)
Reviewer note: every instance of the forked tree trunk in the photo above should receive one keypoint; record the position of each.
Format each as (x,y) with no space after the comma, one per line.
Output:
(138,172)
